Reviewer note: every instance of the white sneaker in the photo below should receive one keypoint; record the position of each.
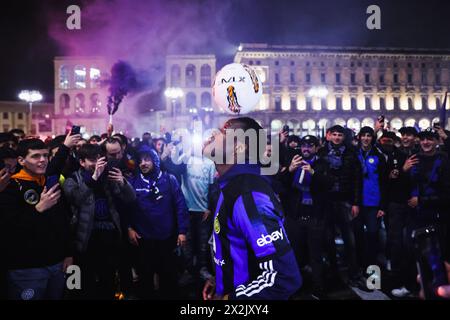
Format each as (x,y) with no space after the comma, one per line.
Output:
(400,292)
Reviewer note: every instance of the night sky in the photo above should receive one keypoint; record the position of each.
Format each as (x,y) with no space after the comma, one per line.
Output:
(143,32)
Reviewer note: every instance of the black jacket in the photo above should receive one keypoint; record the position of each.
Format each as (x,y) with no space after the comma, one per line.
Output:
(348,176)
(28,238)
(321,183)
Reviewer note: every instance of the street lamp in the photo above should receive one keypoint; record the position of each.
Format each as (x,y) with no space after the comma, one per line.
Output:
(173,94)
(30,96)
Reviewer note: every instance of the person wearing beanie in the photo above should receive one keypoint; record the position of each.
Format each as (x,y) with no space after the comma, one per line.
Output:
(158,224)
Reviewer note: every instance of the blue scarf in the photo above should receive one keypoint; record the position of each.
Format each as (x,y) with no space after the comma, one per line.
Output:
(304,183)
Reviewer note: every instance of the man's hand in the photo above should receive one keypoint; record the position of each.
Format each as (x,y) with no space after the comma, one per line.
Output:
(133,236)
(380,213)
(307,167)
(116,175)
(48,198)
(355,211)
(413,202)
(283,136)
(68,261)
(442,133)
(181,241)
(206,214)
(209,290)
(410,162)
(5,176)
(71,141)
(99,168)
(295,163)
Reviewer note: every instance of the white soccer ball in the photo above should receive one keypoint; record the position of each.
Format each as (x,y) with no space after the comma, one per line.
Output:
(237,89)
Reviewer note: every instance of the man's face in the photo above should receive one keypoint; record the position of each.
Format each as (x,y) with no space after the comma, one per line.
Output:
(366,140)
(308,150)
(408,140)
(89,164)
(11,164)
(336,137)
(387,143)
(293,144)
(80,144)
(114,151)
(428,144)
(146,137)
(146,165)
(9,144)
(159,146)
(35,161)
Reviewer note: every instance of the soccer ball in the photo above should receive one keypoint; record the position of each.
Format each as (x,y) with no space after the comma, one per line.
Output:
(237,89)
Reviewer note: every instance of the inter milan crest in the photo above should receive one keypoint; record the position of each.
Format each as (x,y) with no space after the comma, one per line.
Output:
(216,225)
(31,197)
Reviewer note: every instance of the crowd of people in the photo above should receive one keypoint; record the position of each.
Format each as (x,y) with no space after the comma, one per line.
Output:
(141,223)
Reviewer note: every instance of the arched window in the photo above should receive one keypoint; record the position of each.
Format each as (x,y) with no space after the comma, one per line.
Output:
(175,76)
(64,77)
(206,100)
(205,76)
(80,77)
(424,123)
(64,102)
(276,125)
(191,100)
(368,122)
(354,124)
(79,103)
(190,76)
(410,122)
(396,123)
(95,103)
(309,126)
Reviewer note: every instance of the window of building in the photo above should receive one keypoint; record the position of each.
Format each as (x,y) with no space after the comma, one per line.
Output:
(381,78)
(20,116)
(191,100)
(423,65)
(5,115)
(437,78)
(64,77)
(292,63)
(94,100)
(175,76)
(409,65)
(322,64)
(277,78)
(205,76)
(352,64)
(292,78)
(277,104)
(308,63)
(337,64)
(190,76)
(367,78)
(80,103)
(338,78)
(438,65)
(277,63)
(359,64)
(395,78)
(258,62)
(410,78)
(352,78)
(395,65)
(64,101)
(205,100)
(339,103)
(94,75)
(250,62)
(308,77)
(423,77)
(80,77)
(322,77)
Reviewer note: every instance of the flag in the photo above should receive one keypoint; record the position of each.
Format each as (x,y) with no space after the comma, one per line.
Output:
(442,112)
